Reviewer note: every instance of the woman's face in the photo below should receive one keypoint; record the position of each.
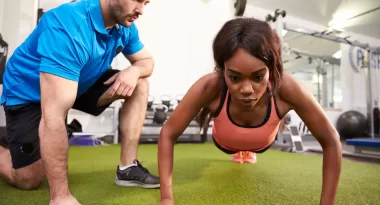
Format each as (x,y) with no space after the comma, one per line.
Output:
(246,78)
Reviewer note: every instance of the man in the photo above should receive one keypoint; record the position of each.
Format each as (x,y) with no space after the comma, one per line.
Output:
(64,64)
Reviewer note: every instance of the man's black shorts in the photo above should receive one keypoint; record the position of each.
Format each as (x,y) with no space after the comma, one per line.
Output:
(23,121)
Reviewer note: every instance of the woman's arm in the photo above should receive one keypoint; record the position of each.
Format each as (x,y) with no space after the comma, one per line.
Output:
(312,114)
(199,96)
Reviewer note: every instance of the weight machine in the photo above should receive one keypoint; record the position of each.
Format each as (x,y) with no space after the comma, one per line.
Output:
(295,140)
(367,144)
(277,22)
(289,139)
(159,112)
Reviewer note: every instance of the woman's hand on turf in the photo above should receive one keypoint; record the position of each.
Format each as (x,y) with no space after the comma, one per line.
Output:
(124,82)
(327,201)
(166,202)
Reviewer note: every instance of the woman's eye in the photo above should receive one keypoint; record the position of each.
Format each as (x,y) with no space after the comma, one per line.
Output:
(258,77)
(234,78)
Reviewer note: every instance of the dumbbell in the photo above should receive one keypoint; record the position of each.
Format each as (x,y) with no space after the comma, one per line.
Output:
(166,99)
(277,13)
(150,102)
(179,98)
(160,113)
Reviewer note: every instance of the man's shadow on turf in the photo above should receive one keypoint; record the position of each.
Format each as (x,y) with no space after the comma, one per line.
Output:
(99,187)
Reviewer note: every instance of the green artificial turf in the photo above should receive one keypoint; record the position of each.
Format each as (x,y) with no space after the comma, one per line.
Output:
(203,175)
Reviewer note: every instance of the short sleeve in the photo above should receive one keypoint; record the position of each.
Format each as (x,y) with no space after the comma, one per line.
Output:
(61,54)
(134,43)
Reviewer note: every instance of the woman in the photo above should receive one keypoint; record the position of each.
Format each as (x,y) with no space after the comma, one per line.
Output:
(247,96)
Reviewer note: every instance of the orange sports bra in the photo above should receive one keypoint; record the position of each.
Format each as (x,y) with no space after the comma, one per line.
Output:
(231,136)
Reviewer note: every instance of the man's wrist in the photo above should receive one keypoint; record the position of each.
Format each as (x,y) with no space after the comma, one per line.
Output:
(135,69)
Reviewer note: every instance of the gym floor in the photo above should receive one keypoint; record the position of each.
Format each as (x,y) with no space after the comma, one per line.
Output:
(204,175)
(309,141)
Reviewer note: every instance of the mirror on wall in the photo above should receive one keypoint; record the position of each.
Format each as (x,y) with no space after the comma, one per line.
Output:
(315,62)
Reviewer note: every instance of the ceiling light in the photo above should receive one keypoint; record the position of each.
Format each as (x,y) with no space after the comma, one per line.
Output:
(338,54)
(300,30)
(339,20)
(284,32)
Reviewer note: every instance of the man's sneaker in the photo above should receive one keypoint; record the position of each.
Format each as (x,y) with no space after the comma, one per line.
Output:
(136,175)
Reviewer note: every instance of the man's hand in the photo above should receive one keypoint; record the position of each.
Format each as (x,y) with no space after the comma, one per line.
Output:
(166,202)
(124,82)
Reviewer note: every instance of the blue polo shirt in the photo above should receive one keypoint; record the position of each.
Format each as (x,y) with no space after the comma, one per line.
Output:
(70,41)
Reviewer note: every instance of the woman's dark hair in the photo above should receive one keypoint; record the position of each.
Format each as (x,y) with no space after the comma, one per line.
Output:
(256,37)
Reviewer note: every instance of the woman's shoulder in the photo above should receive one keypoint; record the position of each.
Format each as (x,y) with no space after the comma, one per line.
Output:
(208,84)
(211,85)
(213,82)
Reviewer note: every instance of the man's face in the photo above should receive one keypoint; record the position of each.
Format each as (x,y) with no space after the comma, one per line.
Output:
(125,12)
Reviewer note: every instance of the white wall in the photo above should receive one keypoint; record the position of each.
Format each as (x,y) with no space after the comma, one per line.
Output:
(1,15)
(180,38)
(354,79)
(355,83)
(50,4)
(19,17)
(1,28)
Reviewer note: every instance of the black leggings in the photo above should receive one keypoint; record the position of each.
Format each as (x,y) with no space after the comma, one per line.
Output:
(233,152)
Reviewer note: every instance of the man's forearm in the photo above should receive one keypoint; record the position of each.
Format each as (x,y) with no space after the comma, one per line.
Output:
(54,151)
(332,160)
(145,66)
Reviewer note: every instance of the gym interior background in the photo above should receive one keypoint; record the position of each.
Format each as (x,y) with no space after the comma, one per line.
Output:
(179,34)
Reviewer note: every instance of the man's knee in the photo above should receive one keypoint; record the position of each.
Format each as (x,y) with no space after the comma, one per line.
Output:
(28,183)
(30,177)
(142,86)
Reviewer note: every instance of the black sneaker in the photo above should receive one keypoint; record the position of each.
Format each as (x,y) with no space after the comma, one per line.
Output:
(136,176)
